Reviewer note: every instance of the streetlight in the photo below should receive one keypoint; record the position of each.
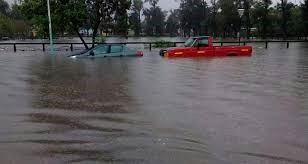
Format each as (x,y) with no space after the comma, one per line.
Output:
(50,29)
(241,13)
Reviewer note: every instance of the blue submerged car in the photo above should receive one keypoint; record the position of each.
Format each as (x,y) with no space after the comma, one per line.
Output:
(108,50)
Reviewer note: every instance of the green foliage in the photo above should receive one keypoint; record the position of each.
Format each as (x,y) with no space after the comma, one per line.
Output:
(154,19)
(4,7)
(100,13)
(6,26)
(193,17)
(135,17)
(295,24)
(162,44)
(100,39)
(230,18)
(71,15)
(304,7)
(173,23)
(121,23)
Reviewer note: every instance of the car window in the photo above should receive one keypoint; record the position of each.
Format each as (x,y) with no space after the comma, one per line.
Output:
(101,49)
(204,42)
(116,48)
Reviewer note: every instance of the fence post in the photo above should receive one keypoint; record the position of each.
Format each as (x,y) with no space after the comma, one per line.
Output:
(288,44)
(221,43)
(72,48)
(43,46)
(150,46)
(14,47)
(266,44)
(244,43)
(174,44)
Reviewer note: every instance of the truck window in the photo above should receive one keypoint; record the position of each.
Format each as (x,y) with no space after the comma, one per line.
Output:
(204,42)
(189,42)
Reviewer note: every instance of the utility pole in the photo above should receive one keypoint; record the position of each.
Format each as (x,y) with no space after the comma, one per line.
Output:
(51,50)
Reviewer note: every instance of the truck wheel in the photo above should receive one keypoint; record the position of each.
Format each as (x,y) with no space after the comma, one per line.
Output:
(232,55)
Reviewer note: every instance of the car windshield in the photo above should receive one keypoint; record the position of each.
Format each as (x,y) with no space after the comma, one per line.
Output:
(189,42)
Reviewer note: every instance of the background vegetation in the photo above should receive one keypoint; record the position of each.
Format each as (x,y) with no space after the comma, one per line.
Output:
(220,18)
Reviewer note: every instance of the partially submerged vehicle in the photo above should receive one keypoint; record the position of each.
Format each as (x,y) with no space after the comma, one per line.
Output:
(108,50)
(203,46)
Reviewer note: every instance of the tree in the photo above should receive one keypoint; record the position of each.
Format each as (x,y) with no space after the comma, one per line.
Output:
(121,23)
(283,7)
(212,20)
(305,16)
(246,16)
(71,15)
(4,7)
(6,26)
(101,11)
(193,16)
(261,16)
(154,19)
(230,16)
(135,17)
(172,24)
(295,24)
(15,12)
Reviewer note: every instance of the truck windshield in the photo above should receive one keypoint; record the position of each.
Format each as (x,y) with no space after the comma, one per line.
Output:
(189,42)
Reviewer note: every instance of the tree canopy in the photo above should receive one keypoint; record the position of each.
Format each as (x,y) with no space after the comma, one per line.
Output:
(193,17)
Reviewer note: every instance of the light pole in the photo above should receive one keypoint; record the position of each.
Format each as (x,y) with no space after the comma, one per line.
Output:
(50,29)
(241,13)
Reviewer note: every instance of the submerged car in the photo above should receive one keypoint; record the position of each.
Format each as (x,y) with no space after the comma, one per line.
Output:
(108,50)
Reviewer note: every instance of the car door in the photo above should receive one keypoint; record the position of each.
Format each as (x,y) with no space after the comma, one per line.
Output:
(201,48)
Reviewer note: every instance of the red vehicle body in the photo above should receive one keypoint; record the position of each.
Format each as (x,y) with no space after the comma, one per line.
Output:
(203,46)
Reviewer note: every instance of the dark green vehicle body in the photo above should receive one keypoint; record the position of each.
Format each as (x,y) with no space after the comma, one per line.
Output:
(108,50)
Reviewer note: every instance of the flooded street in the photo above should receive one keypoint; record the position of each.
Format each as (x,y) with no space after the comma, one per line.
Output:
(155,110)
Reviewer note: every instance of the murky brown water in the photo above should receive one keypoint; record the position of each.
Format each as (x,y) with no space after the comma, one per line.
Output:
(155,110)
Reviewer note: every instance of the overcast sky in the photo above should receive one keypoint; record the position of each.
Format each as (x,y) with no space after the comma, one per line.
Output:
(172,4)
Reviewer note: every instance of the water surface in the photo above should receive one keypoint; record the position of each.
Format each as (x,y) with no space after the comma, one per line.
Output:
(155,110)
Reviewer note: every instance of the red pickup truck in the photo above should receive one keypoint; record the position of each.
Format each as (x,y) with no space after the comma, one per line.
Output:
(203,46)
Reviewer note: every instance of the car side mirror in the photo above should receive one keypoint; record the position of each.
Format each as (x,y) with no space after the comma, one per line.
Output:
(91,53)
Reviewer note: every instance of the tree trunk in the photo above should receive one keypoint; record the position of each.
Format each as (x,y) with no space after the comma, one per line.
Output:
(247,18)
(79,35)
(93,37)
(284,18)
(95,30)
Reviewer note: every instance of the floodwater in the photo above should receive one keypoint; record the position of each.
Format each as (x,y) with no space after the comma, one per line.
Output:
(153,110)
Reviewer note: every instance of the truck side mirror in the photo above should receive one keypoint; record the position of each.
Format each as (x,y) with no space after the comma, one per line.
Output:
(196,44)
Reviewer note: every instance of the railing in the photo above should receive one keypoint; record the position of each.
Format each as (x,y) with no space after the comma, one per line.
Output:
(266,42)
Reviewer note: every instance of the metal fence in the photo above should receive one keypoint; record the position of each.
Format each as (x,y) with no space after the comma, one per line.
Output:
(150,44)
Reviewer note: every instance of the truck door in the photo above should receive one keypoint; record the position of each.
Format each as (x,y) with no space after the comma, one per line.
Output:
(202,48)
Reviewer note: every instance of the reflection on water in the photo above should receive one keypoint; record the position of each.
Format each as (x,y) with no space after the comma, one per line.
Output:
(89,97)
(155,110)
